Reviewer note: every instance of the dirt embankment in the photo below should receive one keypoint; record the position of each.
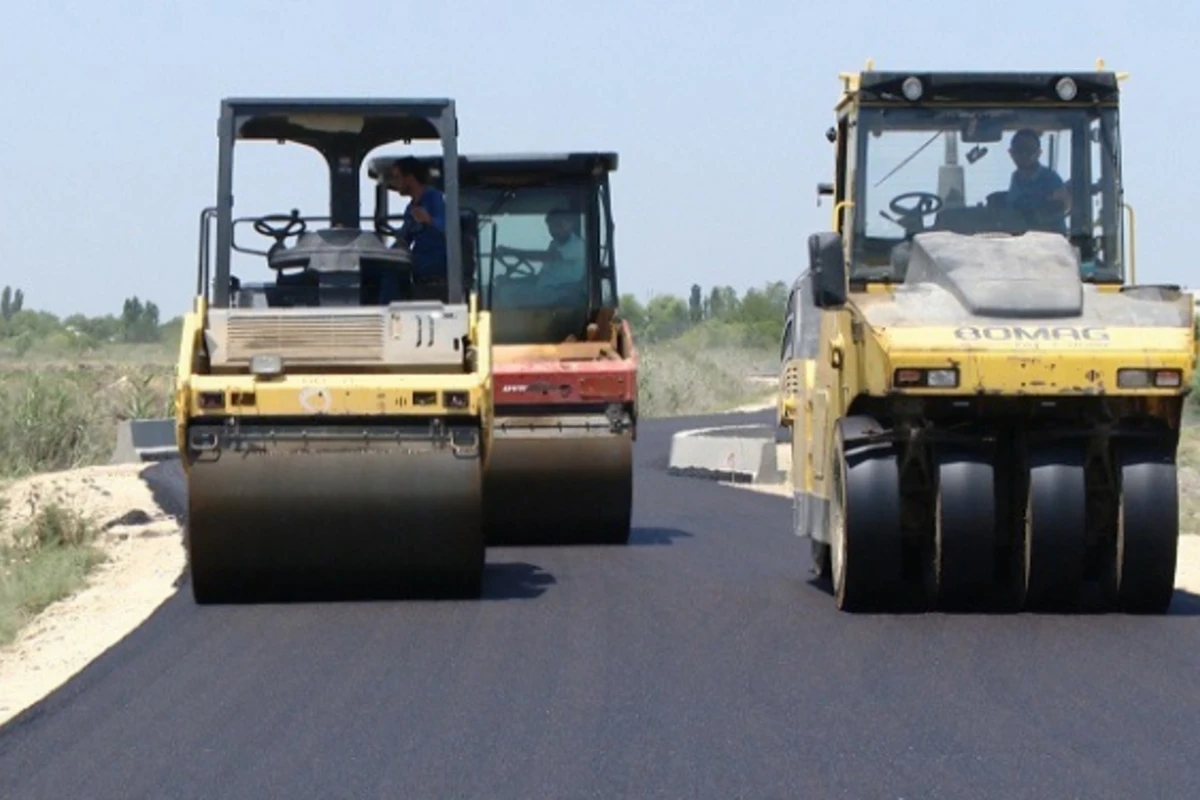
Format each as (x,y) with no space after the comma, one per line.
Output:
(139,532)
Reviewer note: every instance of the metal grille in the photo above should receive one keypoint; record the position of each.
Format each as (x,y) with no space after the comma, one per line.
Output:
(298,338)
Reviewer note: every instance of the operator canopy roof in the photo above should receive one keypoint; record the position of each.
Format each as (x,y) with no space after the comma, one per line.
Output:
(1002,87)
(538,166)
(317,122)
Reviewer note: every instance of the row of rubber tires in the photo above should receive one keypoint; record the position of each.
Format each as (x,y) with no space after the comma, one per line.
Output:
(865,555)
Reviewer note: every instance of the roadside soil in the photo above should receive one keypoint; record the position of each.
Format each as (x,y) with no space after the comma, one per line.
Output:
(146,558)
(768,400)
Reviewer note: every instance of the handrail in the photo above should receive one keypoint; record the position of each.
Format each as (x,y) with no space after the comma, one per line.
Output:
(204,269)
(837,207)
(1132,248)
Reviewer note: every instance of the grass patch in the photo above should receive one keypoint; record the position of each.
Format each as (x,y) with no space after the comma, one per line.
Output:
(1189,446)
(675,379)
(1189,479)
(63,416)
(60,348)
(1192,409)
(46,560)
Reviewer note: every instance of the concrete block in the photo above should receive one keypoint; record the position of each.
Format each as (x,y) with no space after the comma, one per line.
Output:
(734,453)
(144,440)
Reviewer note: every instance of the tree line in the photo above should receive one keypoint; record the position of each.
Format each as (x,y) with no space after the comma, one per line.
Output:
(718,316)
(138,323)
(11,302)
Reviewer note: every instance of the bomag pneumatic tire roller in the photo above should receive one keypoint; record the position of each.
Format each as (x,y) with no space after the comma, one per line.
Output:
(334,445)
(983,412)
(560,470)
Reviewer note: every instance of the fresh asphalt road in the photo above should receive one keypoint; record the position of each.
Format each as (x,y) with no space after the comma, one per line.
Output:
(699,662)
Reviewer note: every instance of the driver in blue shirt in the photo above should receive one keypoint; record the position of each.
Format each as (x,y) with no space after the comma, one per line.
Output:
(424,229)
(1036,190)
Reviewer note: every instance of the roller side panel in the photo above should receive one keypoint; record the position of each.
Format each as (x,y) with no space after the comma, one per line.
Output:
(564,384)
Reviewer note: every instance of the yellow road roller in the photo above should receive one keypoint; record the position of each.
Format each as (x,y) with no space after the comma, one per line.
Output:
(564,365)
(334,422)
(984,403)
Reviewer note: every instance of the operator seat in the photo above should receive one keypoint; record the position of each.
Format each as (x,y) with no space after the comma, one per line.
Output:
(331,263)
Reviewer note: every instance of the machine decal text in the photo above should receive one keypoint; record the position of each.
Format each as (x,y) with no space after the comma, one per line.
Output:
(1030,333)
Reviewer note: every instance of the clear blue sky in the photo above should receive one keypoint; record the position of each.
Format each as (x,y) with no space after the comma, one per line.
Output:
(717,110)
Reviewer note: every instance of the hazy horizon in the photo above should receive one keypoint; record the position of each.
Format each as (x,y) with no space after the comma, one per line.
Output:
(717,112)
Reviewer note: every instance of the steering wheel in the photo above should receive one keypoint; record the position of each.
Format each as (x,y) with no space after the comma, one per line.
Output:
(517,267)
(384,227)
(927,203)
(293,225)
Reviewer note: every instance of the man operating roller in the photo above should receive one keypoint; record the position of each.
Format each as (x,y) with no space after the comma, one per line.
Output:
(1036,191)
(424,230)
(565,258)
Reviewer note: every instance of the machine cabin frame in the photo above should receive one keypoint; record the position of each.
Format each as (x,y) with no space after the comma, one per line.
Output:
(344,132)
(826,283)
(870,90)
(589,170)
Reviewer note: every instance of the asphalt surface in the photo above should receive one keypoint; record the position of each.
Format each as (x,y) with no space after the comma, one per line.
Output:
(697,663)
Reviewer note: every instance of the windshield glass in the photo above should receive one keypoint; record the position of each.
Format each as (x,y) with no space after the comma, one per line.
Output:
(533,243)
(987,170)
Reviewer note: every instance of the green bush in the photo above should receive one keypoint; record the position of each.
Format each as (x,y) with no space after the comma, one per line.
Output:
(1196,377)
(675,379)
(65,418)
(43,562)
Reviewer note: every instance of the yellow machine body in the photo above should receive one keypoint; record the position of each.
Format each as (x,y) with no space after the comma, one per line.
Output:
(982,408)
(334,439)
(564,365)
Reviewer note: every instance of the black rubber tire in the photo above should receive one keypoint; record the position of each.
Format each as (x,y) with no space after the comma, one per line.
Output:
(964,543)
(868,569)
(1141,574)
(1054,541)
